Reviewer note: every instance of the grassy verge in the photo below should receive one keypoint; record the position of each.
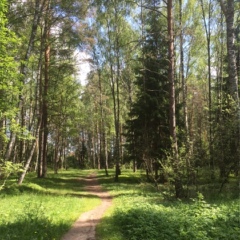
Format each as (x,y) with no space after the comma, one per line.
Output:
(43,208)
(140,213)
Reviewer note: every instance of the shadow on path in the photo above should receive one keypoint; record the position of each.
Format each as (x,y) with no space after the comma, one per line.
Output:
(84,227)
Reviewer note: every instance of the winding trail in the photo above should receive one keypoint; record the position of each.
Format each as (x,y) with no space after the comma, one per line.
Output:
(84,227)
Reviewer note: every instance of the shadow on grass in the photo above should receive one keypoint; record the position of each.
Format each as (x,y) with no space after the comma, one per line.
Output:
(56,184)
(130,178)
(32,228)
(60,183)
(135,186)
(16,190)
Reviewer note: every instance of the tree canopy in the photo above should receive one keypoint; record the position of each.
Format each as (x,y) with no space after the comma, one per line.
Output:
(162,94)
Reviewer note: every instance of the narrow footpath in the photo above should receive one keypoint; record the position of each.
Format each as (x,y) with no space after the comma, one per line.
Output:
(84,227)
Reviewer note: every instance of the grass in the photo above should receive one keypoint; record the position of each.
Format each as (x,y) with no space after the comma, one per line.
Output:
(46,208)
(140,212)
(43,208)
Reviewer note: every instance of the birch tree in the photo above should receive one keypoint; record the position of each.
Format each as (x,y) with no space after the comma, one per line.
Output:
(228,8)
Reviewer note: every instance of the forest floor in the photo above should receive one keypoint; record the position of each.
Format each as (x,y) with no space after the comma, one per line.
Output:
(84,227)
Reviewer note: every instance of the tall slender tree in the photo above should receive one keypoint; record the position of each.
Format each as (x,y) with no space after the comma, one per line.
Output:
(229,13)
(207,26)
(172,116)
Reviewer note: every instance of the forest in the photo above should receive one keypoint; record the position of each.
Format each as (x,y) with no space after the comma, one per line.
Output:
(144,93)
(161,95)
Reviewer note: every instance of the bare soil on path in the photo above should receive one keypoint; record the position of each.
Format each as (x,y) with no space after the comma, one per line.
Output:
(84,227)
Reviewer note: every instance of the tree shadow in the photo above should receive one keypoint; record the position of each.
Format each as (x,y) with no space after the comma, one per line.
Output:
(50,186)
(32,227)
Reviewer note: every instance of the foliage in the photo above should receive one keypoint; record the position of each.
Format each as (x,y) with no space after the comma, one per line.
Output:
(127,90)
(197,221)
(8,168)
(9,84)
(142,213)
(147,127)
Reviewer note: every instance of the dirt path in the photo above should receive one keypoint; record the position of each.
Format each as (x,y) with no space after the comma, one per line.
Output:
(84,227)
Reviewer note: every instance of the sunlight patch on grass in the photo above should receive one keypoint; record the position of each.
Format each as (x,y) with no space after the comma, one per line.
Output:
(44,208)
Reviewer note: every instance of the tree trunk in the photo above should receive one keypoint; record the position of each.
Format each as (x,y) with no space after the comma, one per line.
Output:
(26,167)
(106,154)
(44,106)
(103,130)
(115,96)
(56,153)
(184,93)
(1,138)
(173,132)
(228,10)
(182,76)
(208,38)
(93,152)
(98,149)
(10,146)
(232,81)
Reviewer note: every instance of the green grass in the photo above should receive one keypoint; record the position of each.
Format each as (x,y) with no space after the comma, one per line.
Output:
(139,213)
(43,208)
(46,208)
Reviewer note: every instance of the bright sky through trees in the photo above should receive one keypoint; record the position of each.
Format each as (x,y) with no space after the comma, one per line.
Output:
(83,66)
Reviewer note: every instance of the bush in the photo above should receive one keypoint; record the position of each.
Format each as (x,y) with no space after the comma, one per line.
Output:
(8,168)
(196,221)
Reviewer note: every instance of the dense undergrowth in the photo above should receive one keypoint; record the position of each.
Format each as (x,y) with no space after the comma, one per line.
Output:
(141,213)
(43,209)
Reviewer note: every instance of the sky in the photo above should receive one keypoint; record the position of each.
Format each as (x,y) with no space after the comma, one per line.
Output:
(83,66)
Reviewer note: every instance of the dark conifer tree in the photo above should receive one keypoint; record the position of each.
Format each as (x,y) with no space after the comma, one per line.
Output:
(148,124)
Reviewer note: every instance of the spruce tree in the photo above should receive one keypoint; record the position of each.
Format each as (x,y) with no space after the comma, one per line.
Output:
(148,124)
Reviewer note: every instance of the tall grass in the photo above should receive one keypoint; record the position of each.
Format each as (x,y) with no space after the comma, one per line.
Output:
(140,212)
(43,208)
